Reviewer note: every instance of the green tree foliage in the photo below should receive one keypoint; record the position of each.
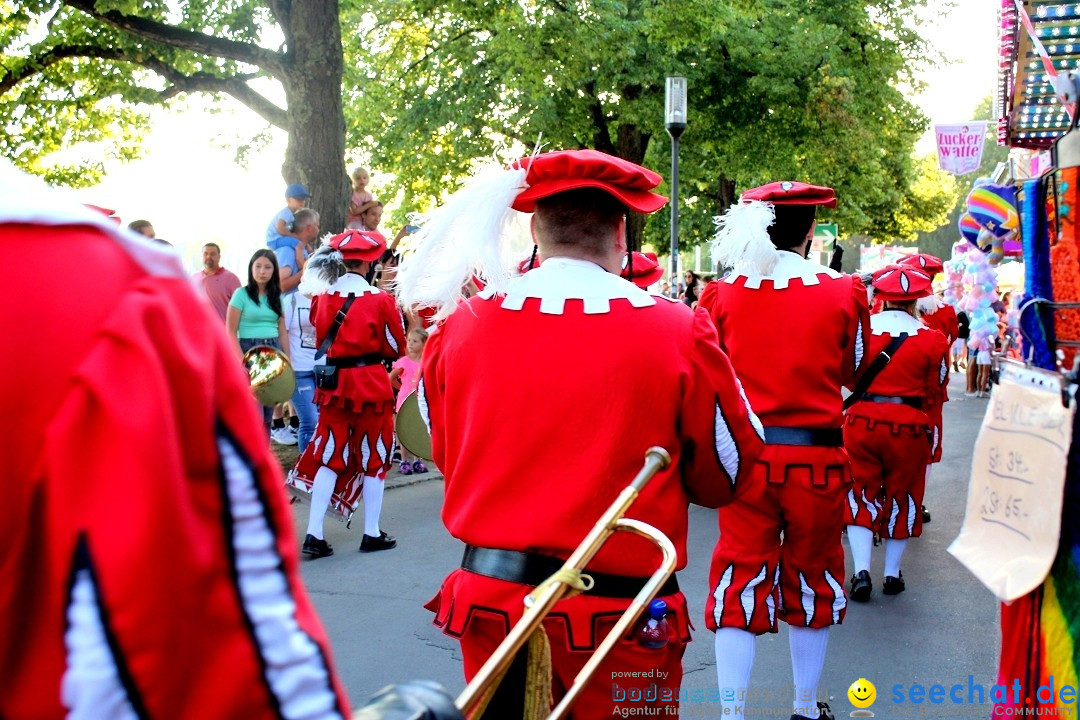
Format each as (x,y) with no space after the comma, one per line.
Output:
(778,89)
(83,71)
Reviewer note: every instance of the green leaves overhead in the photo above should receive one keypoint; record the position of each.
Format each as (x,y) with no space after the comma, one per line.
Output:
(78,75)
(777,89)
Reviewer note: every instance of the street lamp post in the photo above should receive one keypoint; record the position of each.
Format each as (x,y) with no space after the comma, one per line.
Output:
(675,121)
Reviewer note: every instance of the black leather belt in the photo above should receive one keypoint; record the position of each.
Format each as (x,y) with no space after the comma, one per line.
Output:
(914,402)
(533,569)
(822,437)
(351,361)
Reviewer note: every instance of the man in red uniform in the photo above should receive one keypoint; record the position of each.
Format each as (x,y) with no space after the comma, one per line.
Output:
(531,465)
(936,315)
(888,433)
(795,332)
(353,444)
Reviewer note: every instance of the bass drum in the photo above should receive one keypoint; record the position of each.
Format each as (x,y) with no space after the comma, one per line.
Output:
(411,431)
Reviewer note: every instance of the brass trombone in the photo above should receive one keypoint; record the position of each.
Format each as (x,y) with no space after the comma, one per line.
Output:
(485,681)
(271,375)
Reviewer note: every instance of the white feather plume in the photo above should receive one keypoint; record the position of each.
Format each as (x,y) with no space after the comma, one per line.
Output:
(742,238)
(928,305)
(321,270)
(470,234)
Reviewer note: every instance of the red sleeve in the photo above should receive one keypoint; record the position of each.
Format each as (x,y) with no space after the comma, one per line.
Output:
(938,370)
(858,342)
(708,301)
(722,438)
(393,327)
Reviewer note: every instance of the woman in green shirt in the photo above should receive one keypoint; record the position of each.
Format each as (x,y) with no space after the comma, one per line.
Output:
(254,316)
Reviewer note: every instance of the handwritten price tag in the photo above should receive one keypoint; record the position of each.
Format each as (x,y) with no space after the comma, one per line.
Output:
(1010,532)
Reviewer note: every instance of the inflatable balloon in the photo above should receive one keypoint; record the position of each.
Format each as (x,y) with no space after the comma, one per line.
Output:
(994,207)
(969,228)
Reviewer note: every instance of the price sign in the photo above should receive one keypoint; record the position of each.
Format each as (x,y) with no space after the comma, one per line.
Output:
(1010,532)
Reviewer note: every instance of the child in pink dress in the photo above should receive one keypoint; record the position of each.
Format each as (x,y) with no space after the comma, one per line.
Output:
(360,200)
(405,376)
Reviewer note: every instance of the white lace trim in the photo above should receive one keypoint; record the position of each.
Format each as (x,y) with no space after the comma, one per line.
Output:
(560,279)
(352,284)
(718,594)
(839,599)
(789,266)
(422,403)
(727,452)
(91,686)
(294,665)
(895,322)
(746,597)
(807,598)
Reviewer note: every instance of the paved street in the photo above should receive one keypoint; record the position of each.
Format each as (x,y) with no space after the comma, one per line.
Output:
(943,629)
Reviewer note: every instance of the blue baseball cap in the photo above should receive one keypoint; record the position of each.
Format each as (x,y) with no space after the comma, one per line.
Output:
(298,191)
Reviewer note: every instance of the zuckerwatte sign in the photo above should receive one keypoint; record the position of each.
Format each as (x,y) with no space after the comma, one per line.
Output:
(960,146)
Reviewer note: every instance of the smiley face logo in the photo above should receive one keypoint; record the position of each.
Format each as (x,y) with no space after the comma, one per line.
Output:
(862,693)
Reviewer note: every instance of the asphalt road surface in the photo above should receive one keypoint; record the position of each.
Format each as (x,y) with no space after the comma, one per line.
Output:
(942,630)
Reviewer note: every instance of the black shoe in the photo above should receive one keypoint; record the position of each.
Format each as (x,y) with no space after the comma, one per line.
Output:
(893,585)
(823,708)
(925,516)
(861,586)
(316,548)
(375,544)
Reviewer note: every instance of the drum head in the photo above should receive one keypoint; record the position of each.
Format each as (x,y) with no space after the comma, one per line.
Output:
(411,431)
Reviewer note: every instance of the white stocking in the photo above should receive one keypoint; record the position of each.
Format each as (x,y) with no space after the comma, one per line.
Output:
(808,647)
(734,661)
(894,552)
(322,489)
(861,541)
(373,496)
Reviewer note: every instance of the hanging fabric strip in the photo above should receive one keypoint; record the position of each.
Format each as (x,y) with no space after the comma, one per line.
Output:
(1037,325)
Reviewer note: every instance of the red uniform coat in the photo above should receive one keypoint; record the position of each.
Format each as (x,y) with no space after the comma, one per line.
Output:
(794,339)
(890,444)
(149,563)
(945,322)
(372,326)
(542,404)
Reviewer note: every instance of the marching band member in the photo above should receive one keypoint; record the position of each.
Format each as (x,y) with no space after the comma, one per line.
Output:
(351,450)
(149,568)
(887,431)
(530,466)
(795,332)
(936,315)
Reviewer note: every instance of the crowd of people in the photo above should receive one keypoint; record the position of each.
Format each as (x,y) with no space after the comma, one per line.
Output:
(790,471)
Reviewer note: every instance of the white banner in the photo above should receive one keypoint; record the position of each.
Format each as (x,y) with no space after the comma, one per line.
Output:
(1010,533)
(960,147)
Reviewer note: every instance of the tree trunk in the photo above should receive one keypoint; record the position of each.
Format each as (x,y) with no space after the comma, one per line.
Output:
(315,155)
(725,194)
(632,144)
